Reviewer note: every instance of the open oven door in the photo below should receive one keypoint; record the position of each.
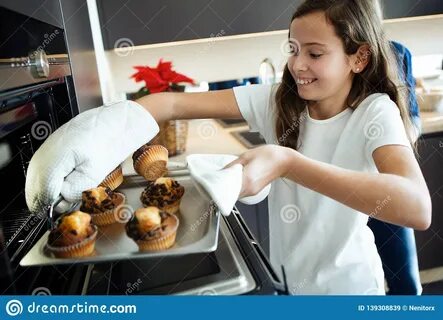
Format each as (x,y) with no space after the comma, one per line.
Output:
(238,266)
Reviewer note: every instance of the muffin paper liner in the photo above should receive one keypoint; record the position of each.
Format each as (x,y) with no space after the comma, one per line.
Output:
(161,243)
(151,164)
(114,179)
(81,249)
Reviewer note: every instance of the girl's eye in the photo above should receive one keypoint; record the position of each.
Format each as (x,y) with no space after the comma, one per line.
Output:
(315,56)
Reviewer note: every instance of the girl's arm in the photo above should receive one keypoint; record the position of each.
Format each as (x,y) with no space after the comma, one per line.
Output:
(179,105)
(397,194)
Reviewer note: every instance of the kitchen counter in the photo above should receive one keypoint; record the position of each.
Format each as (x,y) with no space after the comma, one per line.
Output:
(204,136)
(431,121)
(208,136)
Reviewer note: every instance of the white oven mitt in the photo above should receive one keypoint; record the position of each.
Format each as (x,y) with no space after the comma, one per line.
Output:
(223,186)
(80,154)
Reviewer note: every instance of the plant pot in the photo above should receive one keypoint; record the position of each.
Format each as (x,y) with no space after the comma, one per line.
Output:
(137,95)
(173,134)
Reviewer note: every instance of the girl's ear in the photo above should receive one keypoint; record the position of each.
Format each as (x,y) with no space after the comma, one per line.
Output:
(360,59)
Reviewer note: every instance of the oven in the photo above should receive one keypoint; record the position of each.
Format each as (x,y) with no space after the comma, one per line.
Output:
(38,95)
(237,266)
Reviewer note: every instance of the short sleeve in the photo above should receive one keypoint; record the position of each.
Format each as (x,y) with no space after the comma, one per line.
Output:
(254,104)
(384,126)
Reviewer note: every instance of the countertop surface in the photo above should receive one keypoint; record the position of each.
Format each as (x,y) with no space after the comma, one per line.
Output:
(204,136)
(431,121)
(208,136)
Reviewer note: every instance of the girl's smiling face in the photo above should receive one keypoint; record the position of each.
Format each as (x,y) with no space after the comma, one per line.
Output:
(319,64)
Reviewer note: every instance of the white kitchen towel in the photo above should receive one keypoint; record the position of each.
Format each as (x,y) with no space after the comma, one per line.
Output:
(222,185)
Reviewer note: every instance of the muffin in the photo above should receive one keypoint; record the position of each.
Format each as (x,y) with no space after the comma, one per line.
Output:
(101,203)
(152,229)
(73,236)
(150,161)
(164,193)
(114,179)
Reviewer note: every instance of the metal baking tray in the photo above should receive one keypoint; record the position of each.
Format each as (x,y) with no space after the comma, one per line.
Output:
(197,232)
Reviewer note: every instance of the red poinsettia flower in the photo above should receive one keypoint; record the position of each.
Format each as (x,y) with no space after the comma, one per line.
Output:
(160,78)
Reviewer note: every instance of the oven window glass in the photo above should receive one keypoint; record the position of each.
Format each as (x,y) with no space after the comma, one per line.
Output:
(16,118)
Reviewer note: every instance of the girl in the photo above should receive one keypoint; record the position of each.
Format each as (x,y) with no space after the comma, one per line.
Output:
(340,147)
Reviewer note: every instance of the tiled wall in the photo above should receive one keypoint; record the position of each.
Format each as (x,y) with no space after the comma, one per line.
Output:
(222,58)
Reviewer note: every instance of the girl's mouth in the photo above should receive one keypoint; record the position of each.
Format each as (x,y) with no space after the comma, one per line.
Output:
(305,82)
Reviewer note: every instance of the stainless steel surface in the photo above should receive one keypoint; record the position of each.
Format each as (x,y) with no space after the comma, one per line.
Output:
(197,232)
(39,64)
(17,72)
(80,45)
(52,59)
(176,168)
(233,278)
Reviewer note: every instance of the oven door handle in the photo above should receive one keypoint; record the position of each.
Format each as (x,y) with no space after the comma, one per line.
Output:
(280,285)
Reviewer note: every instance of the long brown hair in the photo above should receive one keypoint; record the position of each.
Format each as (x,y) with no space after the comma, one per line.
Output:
(356,22)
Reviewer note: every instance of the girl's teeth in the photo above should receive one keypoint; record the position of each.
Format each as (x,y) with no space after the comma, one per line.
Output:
(304,81)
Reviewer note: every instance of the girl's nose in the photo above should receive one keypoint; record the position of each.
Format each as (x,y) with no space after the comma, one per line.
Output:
(299,64)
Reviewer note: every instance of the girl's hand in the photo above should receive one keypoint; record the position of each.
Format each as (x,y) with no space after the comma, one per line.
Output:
(261,166)
(79,154)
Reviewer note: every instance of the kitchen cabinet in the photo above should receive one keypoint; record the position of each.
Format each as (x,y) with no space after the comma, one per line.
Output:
(257,220)
(48,11)
(430,242)
(141,22)
(411,8)
(148,21)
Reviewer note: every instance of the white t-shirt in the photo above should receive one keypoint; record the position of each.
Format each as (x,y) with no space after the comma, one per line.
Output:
(325,246)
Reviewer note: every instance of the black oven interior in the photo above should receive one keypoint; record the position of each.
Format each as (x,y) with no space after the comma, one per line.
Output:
(25,122)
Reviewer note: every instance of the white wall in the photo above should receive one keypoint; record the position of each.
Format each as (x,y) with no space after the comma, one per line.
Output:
(212,60)
(222,58)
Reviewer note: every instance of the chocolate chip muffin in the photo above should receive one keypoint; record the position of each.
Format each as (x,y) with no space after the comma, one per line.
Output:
(164,193)
(152,229)
(73,236)
(102,204)
(150,161)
